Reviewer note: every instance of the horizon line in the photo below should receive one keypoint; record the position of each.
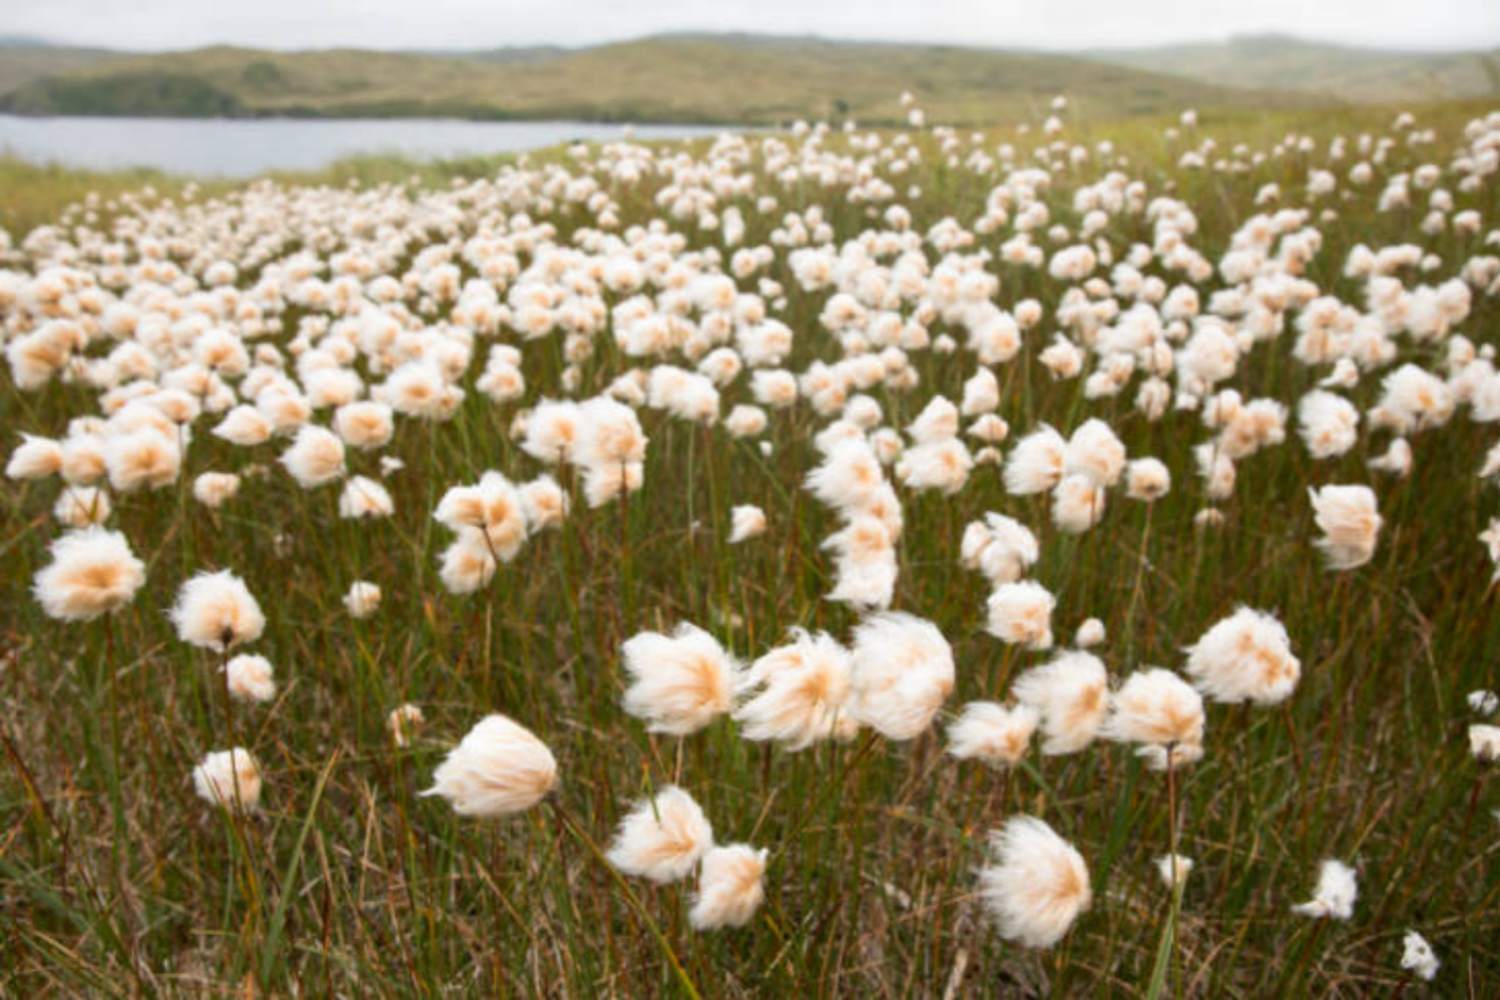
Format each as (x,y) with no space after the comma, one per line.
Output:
(21,40)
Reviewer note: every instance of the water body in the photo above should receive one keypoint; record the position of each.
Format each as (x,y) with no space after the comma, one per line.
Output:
(219,147)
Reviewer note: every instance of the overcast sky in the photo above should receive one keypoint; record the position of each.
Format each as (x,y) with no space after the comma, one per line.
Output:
(1053,24)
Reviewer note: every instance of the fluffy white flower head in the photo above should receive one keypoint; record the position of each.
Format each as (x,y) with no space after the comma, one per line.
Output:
(1038,884)
(499,768)
(661,839)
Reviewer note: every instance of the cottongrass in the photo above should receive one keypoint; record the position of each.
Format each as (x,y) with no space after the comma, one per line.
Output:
(1245,657)
(1484,742)
(680,682)
(1350,523)
(746,521)
(1335,893)
(662,838)
(403,722)
(497,769)
(832,327)
(730,887)
(992,733)
(217,611)
(1037,885)
(92,572)
(362,599)
(1417,957)
(1161,711)
(1071,694)
(250,678)
(903,672)
(798,693)
(229,778)
(1020,613)
(1174,869)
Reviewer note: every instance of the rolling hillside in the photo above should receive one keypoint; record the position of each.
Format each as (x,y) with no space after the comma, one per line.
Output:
(1351,74)
(669,78)
(23,60)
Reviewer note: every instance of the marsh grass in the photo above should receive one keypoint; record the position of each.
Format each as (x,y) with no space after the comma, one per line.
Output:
(117,880)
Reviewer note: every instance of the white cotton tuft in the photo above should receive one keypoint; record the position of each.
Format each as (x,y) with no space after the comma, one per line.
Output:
(1335,894)
(229,778)
(679,682)
(903,672)
(1020,614)
(1417,957)
(730,887)
(662,838)
(1038,884)
(498,768)
(1071,693)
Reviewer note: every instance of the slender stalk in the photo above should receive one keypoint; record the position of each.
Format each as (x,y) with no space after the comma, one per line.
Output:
(223,684)
(626,602)
(834,789)
(1473,805)
(573,827)
(1165,967)
(1135,591)
(116,796)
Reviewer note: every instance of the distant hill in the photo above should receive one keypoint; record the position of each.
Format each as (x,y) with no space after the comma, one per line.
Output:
(1348,73)
(23,60)
(682,78)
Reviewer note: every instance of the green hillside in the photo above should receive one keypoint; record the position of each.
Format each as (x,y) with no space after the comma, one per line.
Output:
(675,78)
(23,61)
(1351,74)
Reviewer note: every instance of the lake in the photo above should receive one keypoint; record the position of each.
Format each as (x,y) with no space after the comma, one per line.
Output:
(224,147)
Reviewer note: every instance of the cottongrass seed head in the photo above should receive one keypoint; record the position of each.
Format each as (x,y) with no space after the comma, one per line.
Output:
(662,838)
(1174,869)
(1161,711)
(402,722)
(250,678)
(679,682)
(903,672)
(498,768)
(1245,657)
(493,508)
(1417,957)
(1036,462)
(1335,894)
(315,457)
(1020,614)
(990,732)
(1090,633)
(797,694)
(1147,480)
(1071,693)
(1037,885)
(229,778)
(1350,523)
(1000,547)
(730,887)
(80,507)
(363,599)
(1484,743)
(92,572)
(746,521)
(217,611)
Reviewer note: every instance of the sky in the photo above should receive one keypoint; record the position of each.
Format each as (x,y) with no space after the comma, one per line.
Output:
(471,24)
